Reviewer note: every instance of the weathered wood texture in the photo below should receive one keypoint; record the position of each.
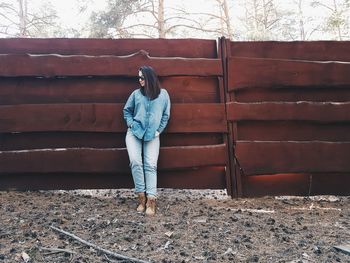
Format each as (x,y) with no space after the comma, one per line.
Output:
(104,117)
(263,72)
(182,89)
(49,66)
(289,103)
(92,160)
(188,48)
(61,118)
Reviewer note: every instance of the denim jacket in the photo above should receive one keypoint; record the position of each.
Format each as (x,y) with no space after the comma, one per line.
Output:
(145,117)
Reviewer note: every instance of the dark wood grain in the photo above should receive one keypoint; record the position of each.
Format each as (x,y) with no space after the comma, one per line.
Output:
(301,111)
(188,89)
(190,48)
(292,157)
(49,66)
(304,50)
(259,72)
(105,117)
(44,140)
(201,178)
(292,131)
(92,160)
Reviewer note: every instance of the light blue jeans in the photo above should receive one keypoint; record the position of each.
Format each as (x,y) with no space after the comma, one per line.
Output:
(143,158)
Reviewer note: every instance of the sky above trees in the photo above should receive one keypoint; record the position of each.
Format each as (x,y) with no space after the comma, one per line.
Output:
(284,20)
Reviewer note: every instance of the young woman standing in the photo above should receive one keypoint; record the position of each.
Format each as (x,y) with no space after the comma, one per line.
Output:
(146,113)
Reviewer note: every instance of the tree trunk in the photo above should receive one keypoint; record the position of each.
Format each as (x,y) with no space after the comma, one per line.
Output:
(161,23)
(301,21)
(22,4)
(227,19)
(338,28)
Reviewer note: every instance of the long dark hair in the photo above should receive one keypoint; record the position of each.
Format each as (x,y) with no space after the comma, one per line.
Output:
(152,86)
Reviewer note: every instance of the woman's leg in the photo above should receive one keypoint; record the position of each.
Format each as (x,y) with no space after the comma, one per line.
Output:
(134,147)
(151,153)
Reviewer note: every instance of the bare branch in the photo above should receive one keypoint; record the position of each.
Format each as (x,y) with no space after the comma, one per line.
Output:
(105,251)
(137,25)
(193,27)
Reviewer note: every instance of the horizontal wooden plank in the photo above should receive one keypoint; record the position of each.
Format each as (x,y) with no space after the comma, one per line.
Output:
(287,111)
(204,117)
(302,50)
(292,157)
(292,131)
(108,117)
(294,94)
(201,178)
(258,72)
(92,160)
(192,48)
(44,140)
(188,89)
(78,65)
(276,184)
(330,184)
(295,184)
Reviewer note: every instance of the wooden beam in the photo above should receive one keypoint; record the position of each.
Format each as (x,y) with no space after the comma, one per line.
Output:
(191,48)
(293,131)
(301,50)
(182,89)
(262,73)
(91,160)
(200,178)
(105,117)
(49,66)
(292,157)
(276,184)
(288,111)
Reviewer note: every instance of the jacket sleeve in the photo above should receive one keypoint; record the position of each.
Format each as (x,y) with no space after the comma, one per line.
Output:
(128,110)
(166,114)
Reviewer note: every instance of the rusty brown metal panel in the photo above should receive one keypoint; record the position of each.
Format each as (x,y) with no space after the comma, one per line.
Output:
(259,157)
(201,178)
(190,48)
(301,111)
(306,50)
(79,65)
(261,72)
(92,160)
(51,140)
(105,117)
(293,131)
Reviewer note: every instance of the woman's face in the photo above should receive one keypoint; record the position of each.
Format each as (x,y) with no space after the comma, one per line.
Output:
(141,79)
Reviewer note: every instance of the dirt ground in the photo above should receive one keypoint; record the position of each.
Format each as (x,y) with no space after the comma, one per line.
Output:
(190,226)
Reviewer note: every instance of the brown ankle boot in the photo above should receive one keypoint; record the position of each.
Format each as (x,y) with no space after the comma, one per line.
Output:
(151,206)
(142,203)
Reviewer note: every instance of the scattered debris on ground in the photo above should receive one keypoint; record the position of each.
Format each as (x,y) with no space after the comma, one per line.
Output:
(190,226)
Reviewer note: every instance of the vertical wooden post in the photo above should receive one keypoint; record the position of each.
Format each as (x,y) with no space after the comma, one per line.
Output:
(224,96)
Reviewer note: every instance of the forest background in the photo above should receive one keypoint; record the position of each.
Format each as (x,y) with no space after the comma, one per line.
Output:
(238,20)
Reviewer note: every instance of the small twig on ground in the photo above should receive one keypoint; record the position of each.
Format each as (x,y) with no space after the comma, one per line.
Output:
(119,256)
(56,250)
(114,261)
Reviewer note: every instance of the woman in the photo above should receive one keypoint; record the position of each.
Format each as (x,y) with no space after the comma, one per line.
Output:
(146,113)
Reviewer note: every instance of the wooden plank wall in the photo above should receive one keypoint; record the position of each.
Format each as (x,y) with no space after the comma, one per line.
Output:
(61,123)
(289,104)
